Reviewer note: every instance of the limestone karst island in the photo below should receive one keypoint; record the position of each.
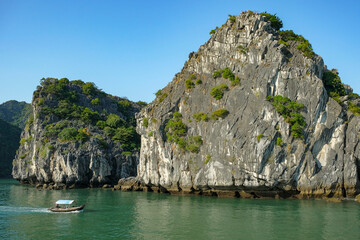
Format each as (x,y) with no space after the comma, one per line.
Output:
(253,113)
(254,138)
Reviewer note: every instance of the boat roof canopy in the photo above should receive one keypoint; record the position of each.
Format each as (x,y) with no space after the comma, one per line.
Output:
(65,201)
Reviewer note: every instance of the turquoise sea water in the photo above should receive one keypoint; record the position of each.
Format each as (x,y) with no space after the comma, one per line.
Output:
(138,215)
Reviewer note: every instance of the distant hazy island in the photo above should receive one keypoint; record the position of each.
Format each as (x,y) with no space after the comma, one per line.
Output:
(13,115)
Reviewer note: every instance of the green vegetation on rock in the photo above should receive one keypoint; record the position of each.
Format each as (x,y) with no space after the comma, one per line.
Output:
(142,103)
(158,93)
(227,74)
(163,96)
(89,89)
(207,159)
(124,106)
(212,32)
(259,137)
(73,134)
(355,109)
(235,82)
(193,144)
(290,111)
(201,117)
(275,21)
(79,110)
(220,113)
(218,91)
(176,132)
(175,128)
(242,49)
(114,121)
(232,18)
(189,83)
(198,81)
(146,122)
(95,101)
(302,44)
(333,84)
(217,73)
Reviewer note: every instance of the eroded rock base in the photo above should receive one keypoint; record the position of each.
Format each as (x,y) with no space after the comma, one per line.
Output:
(337,195)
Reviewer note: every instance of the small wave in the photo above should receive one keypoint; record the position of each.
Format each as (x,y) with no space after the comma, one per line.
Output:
(78,211)
(23,209)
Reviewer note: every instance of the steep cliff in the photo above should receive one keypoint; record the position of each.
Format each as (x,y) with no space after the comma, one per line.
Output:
(77,136)
(250,115)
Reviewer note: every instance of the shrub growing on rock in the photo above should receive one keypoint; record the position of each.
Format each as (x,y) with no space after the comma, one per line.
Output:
(95,101)
(189,84)
(162,97)
(302,44)
(193,144)
(124,106)
(333,84)
(201,117)
(235,82)
(198,81)
(212,32)
(146,122)
(275,21)
(158,93)
(114,121)
(217,73)
(220,113)
(290,111)
(218,91)
(228,74)
(232,18)
(243,49)
(355,109)
(68,134)
(175,128)
(89,89)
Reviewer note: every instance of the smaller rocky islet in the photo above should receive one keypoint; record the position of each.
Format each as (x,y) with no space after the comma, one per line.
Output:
(77,135)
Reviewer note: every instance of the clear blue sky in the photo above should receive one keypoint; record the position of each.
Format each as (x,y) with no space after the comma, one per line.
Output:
(133,48)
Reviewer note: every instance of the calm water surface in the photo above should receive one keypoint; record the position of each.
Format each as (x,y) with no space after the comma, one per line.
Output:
(137,215)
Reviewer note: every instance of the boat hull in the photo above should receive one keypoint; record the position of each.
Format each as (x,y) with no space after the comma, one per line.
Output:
(71,209)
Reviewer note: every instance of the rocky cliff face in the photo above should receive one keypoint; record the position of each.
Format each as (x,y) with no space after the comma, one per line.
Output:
(249,115)
(77,136)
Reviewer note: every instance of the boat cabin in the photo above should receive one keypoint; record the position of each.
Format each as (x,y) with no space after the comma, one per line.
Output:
(66,206)
(64,203)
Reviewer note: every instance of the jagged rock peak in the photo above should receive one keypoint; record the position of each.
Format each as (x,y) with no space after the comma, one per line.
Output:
(250,113)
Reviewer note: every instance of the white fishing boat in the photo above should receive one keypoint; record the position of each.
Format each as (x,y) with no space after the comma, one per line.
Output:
(66,206)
